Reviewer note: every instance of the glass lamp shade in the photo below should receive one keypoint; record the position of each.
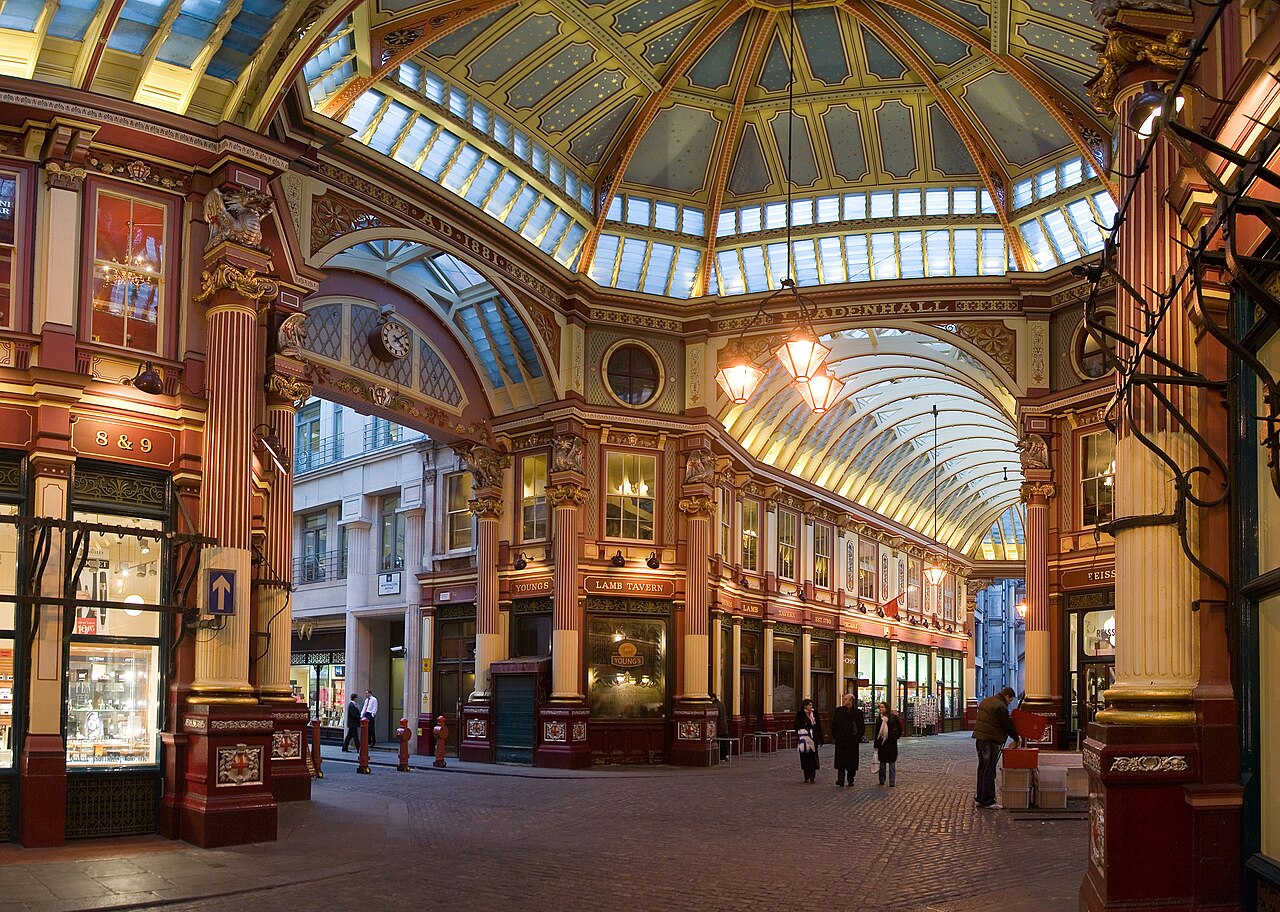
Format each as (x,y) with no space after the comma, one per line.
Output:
(739,381)
(821,392)
(802,355)
(934,574)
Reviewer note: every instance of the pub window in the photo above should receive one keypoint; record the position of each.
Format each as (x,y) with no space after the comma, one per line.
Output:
(533,498)
(391,532)
(8,678)
(913,585)
(626,668)
(726,526)
(9,264)
(751,535)
(459,523)
(784,674)
(315,536)
(1097,477)
(822,535)
(788,524)
(630,479)
(867,569)
(128,271)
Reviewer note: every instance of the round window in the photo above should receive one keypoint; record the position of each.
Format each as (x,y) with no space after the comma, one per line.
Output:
(1091,359)
(633,374)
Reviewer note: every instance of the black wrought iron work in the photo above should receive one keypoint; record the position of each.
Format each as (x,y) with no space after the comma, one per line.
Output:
(1213,260)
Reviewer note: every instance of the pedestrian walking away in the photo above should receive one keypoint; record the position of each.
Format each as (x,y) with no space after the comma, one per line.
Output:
(888,731)
(370,711)
(848,725)
(353,725)
(722,726)
(808,739)
(993,727)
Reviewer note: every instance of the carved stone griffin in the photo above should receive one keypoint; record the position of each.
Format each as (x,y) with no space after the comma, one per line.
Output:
(700,467)
(486,465)
(235,215)
(1034,452)
(566,454)
(291,337)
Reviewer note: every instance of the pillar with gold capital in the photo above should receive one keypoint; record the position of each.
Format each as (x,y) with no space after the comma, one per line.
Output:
(695,719)
(1038,664)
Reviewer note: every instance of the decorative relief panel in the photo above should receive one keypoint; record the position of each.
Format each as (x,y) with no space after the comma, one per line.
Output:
(1157,764)
(332,216)
(478,728)
(993,337)
(689,731)
(239,766)
(434,377)
(554,731)
(324,331)
(286,745)
(1097,831)
(579,731)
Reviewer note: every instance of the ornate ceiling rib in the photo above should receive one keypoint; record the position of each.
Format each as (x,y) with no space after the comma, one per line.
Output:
(615,164)
(95,43)
(993,175)
(268,67)
(750,72)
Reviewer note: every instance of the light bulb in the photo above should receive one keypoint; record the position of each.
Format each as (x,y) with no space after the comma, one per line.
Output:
(134,599)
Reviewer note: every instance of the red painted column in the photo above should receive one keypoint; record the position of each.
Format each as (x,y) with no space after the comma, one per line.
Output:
(1039,666)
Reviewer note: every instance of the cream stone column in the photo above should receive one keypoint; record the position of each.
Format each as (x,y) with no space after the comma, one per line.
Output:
(699,509)
(839,660)
(717,656)
(969,602)
(768,668)
(566,499)
(735,707)
(893,675)
(806,663)
(415,522)
(1039,688)
(487,509)
(233,289)
(275,607)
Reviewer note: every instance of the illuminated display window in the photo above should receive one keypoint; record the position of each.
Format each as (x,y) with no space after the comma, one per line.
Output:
(129,278)
(626,668)
(1097,478)
(630,482)
(533,498)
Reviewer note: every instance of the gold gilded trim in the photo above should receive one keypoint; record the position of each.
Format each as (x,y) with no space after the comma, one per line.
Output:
(220,700)
(1145,717)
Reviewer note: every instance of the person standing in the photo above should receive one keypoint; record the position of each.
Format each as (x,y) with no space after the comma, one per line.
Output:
(370,711)
(722,727)
(993,727)
(808,739)
(848,725)
(888,731)
(353,724)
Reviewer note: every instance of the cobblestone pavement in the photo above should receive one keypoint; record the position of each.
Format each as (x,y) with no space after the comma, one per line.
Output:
(749,836)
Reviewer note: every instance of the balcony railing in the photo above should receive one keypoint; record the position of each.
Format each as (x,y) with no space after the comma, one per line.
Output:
(319,568)
(377,436)
(326,451)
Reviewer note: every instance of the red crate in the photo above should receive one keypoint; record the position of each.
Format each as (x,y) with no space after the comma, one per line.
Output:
(1030,726)
(1021,758)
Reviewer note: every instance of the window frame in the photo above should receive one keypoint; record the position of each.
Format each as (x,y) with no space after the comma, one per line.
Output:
(822,560)
(725,516)
(866,548)
(611,497)
(23,232)
(391,520)
(536,501)
(660,379)
(451,513)
(788,548)
(750,532)
(1082,483)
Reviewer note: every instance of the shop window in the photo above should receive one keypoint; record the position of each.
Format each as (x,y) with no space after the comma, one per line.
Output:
(1097,478)
(533,498)
(630,480)
(822,535)
(867,570)
(9,263)
(914,588)
(784,674)
(788,525)
(633,374)
(1100,633)
(873,668)
(751,535)
(390,533)
(128,271)
(323,687)
(626,668)
(315,536)
(8,665)
(113,672)
(725,545)
(459,523)
(531,635)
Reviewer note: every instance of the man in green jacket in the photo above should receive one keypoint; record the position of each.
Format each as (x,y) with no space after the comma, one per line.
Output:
(993,727)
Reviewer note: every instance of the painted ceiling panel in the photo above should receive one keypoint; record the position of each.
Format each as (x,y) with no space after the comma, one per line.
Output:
(1048,38)
(1071,80)
(715,67)
(1071,10)
(659,50)
(589,146)
(1022,129)
(881,61)
(844,139)
(517,45)
(941,48)
(775,73)
(642,15)
(561,68)
(823,45)
(949,153)
(795,145)
(972,13)
(750,174)
(453,43)
(895,121)
(582,102)
(675,153)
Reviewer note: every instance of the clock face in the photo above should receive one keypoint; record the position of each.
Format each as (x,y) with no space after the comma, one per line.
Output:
(395,339)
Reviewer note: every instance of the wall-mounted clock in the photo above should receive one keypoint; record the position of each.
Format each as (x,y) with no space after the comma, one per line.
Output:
(391,341)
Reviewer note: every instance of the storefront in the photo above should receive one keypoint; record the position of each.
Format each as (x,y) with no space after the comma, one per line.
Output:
(1090,645)
(950,672)
(318,677)
(786,672)
(629,674)
(10,690)
(751,676)
(822,674)
(915,689)
(453,665)
(872,672)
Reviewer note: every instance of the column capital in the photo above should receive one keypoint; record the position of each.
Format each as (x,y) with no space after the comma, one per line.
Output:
(65,175)
(1041,491)
(1157,37)
(246,283)
(287,390)
(486,507)
(567,494)
(698,506)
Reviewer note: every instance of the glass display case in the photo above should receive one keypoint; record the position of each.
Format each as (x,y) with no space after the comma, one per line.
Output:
(626,668)
(111,704)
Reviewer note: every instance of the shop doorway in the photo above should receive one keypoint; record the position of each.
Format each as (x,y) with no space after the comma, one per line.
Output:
(752,702)
(1091,650)
(455,672)
(1096,678)
(515,714)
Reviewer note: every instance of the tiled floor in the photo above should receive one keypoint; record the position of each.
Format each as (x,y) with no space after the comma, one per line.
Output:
(741,837)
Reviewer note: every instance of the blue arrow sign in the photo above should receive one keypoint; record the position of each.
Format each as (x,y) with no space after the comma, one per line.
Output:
(222,592)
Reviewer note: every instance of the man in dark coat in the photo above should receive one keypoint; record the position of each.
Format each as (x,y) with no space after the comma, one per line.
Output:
(847,728)
(722,726)
(993,727)
(888,731)
(353,725)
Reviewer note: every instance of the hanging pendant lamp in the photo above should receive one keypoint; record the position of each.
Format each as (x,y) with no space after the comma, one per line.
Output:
(821,391)
(935,571)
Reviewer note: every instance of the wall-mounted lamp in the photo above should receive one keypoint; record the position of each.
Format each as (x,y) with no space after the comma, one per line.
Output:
(800,594)
(520,562)
(271,443)
(618,560)
(148,379)
(652,561)
(744,583)
(1021,608)
(1149,107)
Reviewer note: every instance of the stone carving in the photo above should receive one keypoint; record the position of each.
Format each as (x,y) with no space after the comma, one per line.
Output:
(1091,760)
(697,506)
(286,745)
(566,454)
(1165,764)
(1033,490)
(1034,452)
(235,216)
(579,731)
(700,467)
(294,389)
(486,464)
(477,728)
(689,731)
(1097,831)
(1123,51)
(485,507)
(240,765)
(1106,11)
(571,495)
(291,337)
(248,284)
(332,216)
(554,731)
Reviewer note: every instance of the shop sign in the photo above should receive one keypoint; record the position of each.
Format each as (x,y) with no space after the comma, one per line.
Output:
(787,614)
(822,620)
(626,656)
(524,588)
(389,583)
(1087,577)
(123,440)
(15,426)
(630,586)
(848,623)
(750,608)
(86,626)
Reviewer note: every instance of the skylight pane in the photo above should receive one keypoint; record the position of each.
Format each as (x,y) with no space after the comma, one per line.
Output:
(462,167)
(538,221)
(828,209)
(1083,220)
(832,259)
(508,187)
(551,239)
(1038,245)
(988,207)
(1023,193)
(362,112)
(615,210)
(665,216)
(726,223)
(630,263)
(855,251)
(483,182)
(686,270)
(753,268)
(993,252)
(806,258)
(1046,183)
(415,141)
(658,272)
(434,88)
(1066,245)
(457,104)
(538,157)
(638,209)
(908,202)
(1106,209)
(389,128)
(479,117)
(441,151)
(567,252)
(884,259)
(882,204)
(855,206)
(937,202)
(730,272)
(911,254)
(965,201)
(802,212)
(775,215)
(606,256)
(965,245)
(693,221)
(523,206)
(502,130)
(751,219)
(778,265)
(1072,172)
(938,245)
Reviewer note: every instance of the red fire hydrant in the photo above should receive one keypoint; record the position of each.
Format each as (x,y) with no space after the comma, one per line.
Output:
(441,732)
(403,734)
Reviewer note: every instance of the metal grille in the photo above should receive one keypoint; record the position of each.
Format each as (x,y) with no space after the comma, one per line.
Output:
(129,488)
(10,477)
(112,805)
(6,808)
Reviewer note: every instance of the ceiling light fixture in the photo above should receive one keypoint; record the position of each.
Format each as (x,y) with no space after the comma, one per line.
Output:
(935,571)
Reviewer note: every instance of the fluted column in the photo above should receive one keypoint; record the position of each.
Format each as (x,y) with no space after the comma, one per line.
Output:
(566,499)
(768,668)
(694,645)
(486,507)
(1036,496)
(735,708)
(415,521)
(233,294)
(806,664)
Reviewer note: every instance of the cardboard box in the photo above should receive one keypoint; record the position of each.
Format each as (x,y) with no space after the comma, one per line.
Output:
(1021,757)
(1016,799)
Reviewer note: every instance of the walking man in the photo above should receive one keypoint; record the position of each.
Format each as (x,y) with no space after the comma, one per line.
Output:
(353,724)
(848,725)
(993,728)
(722,726)
(370,711)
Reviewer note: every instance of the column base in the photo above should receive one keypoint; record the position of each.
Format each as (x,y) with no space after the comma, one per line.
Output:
(475,744)
(175,747)
(290,778)
(228,799)
(42,777)
(1049,708)
(562,737)
(694,741)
